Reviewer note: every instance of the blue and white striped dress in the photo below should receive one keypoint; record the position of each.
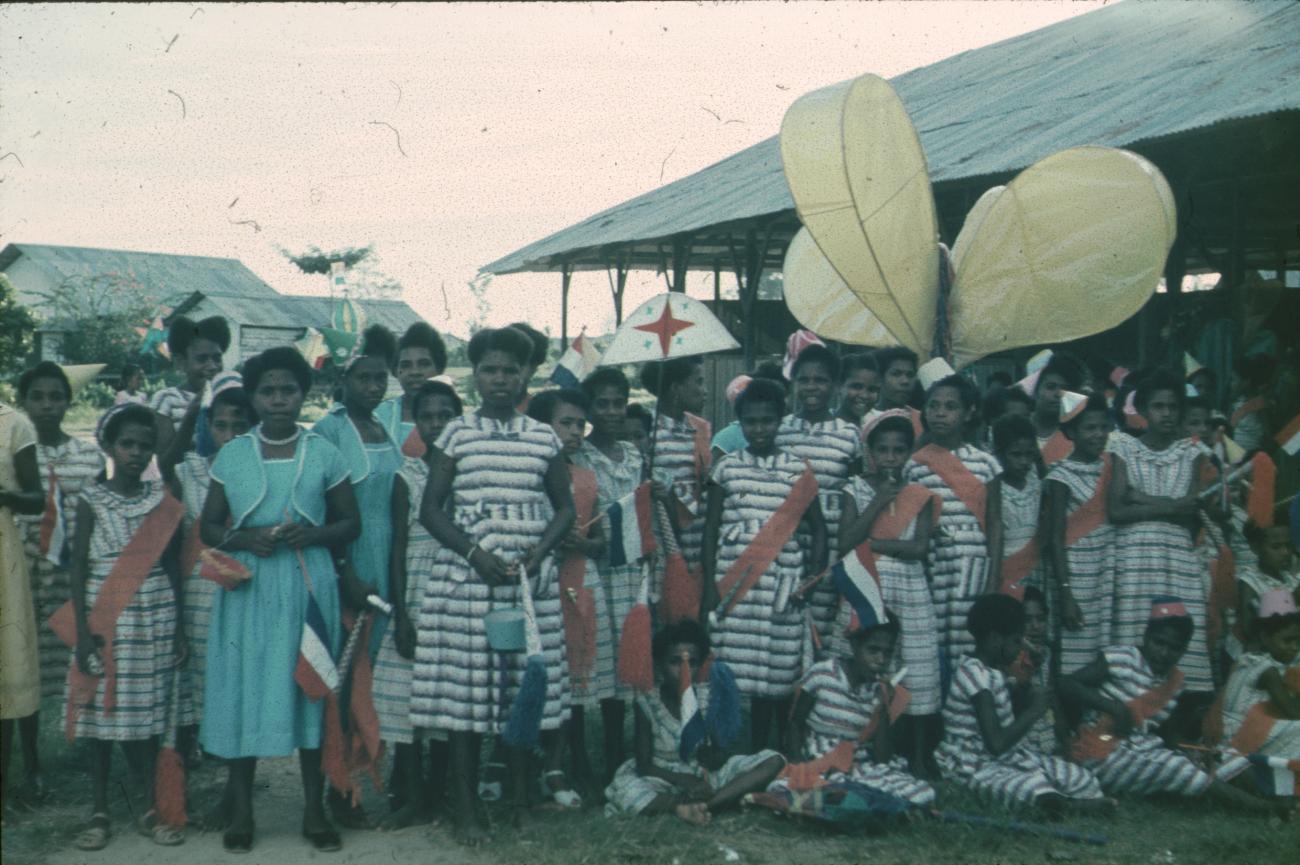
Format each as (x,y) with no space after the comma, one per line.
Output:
(76,463)
(1141,764)
(675,462)
(831,447)
(499,499)
(1154,557)
(1243,693)
(762,637)
(1018,776)
(196,593)
(144,639)
(959,558)
(1091,560)
(1020,512)
(841,711)
(393,673)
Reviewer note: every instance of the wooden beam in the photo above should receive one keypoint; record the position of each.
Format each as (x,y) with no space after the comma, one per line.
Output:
(566,275)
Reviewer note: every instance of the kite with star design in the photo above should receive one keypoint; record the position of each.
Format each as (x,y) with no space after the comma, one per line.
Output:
(667,326)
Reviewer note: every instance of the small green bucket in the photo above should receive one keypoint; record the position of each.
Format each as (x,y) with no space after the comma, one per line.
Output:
(505,630)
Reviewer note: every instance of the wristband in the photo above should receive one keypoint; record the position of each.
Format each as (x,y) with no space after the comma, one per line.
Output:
(469,554)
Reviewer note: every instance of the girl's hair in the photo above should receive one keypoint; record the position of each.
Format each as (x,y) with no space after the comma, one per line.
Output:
(378,341)
(1197,401)
(996,380)
(997,400)
(889,626)
(674,372)
(1273,624)
(44,369)
(1209,373)
(1066,367)
(422,335)
(606,376)
(1256,370)
(761,390)
(966,391)
(542,406)
(235,397)
(124,377)
(885,357)
(1096,403)
(1158,380)
(541,343)
(119,416)
(681,631)
(849,364)
(995,614)
(817,354)
(640,414)
(509,340)
(429,389)
(900,425)
(281,357)
(1010,429)
(1035,594)
(182,331)
(1182,625)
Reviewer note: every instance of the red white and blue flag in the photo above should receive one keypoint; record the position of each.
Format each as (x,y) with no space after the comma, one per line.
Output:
(693,727)
(852,576)
(1289,437)
(1276,776)
(54,532)
(631,527)
(316,673)
(576,363)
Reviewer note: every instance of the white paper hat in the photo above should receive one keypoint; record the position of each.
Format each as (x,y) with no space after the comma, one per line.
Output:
(932,370)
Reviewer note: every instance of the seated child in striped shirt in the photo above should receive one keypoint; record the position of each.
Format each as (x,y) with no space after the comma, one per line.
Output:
(983,742)
(1127,693)
(659,779)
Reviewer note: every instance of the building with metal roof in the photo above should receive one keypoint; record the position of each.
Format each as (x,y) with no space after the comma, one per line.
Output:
(1209,92)
(51,280)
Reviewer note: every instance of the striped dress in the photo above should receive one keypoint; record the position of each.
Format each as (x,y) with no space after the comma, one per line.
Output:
(1091,560)
(907,596)
(614,480)
(958,560)
(392,685)
(171,403)
(841,711)
(761,639)
(499,499)
(75,464)
(1020,512)
(196,592)
(676,463)
(1154,557)
(631,793)
(1242,693)
(143,640)
(1018,776)
(831,447)
(1141,764)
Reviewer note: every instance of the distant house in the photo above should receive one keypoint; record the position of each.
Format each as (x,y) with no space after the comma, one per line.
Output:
(197,286)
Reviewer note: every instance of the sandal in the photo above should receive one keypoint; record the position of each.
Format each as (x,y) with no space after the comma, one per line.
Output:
(96,834)
(159,832)
(324,840)
(567,797)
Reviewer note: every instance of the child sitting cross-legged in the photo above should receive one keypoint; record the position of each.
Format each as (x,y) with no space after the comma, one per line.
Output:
(983,746)
(679,766)
(1261,710)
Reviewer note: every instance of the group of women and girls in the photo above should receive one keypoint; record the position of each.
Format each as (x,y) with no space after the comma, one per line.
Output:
(1043,637)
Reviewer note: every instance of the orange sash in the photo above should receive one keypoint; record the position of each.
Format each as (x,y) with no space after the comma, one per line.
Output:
(812,774)
(414,445)
(1095,741)
(128,574)
(1090,515)
(953,472)
(579,602)
(1017,566)
(1250,406)
(917,427)
(891,523)
(1057,448)
(745,572)
(1260,718)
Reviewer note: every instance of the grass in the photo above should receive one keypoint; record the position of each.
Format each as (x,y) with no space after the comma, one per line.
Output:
(1168,832)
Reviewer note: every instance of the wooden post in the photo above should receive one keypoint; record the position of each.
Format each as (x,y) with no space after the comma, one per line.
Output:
(749,272)
(617,284)
(566,274)
(681,259)
(717,281)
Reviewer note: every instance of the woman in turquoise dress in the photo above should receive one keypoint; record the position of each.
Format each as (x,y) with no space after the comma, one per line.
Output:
(279,500)
(373,459)
(421,355)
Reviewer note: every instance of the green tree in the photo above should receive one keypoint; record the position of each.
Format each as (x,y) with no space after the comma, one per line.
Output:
(101,313)
(17,325)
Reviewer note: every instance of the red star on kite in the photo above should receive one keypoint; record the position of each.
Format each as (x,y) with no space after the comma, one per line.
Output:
(666,327)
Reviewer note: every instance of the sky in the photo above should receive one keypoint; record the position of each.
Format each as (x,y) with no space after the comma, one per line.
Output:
(445,135)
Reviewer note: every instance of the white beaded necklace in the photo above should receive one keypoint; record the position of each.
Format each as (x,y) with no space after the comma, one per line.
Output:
(290,439)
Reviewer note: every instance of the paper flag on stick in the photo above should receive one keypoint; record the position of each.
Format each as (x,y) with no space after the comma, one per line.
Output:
(666,326)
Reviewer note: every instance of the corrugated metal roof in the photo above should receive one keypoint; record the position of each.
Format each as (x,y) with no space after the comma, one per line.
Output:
(165,278)
(1128,73)
(298,311)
